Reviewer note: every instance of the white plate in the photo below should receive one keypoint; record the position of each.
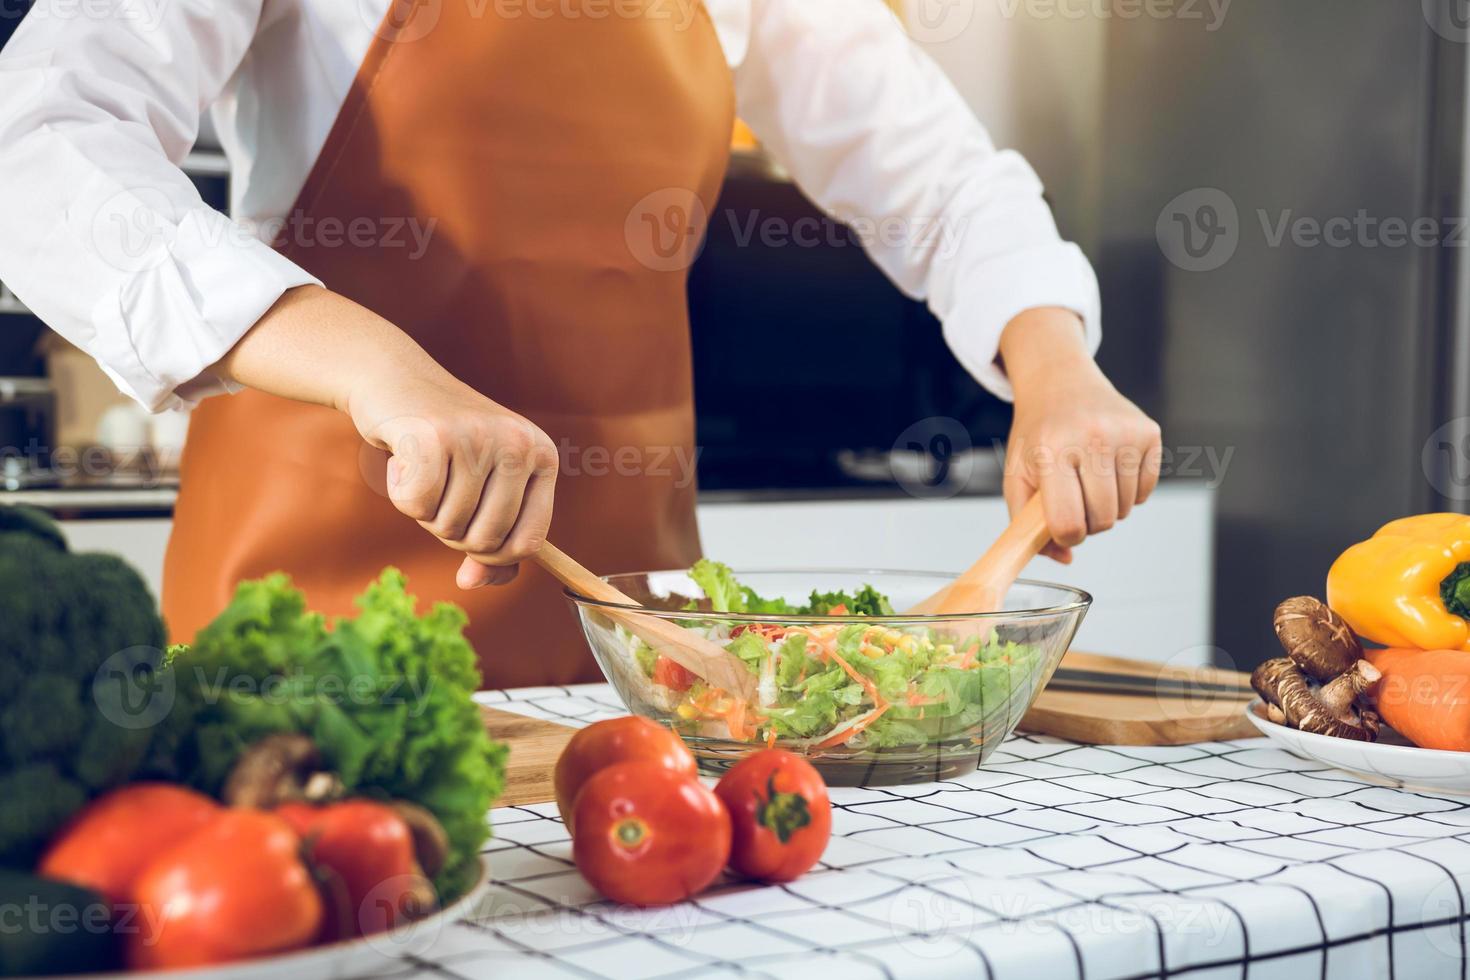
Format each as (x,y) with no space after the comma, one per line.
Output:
(346,960)
(1391,761)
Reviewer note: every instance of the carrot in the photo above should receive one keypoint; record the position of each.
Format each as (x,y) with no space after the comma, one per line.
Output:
(1425,695)
(914,699)
(832,741)
(866,684)
(735,718)
(824,642)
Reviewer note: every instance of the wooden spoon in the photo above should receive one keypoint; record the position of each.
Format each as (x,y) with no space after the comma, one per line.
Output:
(983,587)
(685,647)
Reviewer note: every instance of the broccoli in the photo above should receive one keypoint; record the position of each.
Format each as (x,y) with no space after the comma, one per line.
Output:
(81,643)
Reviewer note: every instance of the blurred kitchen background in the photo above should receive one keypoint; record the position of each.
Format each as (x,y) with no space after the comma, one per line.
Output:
(1309,390)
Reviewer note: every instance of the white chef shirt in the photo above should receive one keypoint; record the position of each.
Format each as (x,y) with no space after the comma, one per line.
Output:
(108,242)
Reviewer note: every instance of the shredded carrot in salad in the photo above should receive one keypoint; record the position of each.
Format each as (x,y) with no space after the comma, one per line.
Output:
(856,727)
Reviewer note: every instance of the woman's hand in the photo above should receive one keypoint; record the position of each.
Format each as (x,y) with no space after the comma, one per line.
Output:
(474,474)
(1090,452)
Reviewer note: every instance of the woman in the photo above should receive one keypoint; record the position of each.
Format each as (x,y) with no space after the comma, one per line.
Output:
(451,265)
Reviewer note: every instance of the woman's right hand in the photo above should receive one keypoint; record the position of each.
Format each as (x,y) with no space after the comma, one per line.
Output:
(474,474)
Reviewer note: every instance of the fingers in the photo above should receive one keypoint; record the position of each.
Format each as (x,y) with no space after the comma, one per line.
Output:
(418,468)
(1018,491)
(462,492)
(526,535)
(1138,460)
(1098,476)
(1153,461)
(1138,463)
(1066,509)
(1129,463)
(473,575)
(1090,454)
(1058,554)
(483,484)
(531,524)
(499,507)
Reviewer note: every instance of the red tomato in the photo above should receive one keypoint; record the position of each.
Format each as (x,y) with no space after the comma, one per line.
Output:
(235,889)
(780,813)
(368,850)
(106,845)
(671,674)
(604,743)
(647,835)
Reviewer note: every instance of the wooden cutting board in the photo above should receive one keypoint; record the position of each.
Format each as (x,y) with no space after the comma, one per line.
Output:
(1099,719)
(1159,718)
(534,746)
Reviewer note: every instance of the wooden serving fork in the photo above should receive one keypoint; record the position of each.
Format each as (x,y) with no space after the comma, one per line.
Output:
(688,649)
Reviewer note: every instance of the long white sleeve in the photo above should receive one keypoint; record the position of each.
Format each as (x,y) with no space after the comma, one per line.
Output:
(103,237)
(872,131)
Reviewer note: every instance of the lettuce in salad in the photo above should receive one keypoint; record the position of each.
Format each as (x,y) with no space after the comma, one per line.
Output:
(728,595)
(858,685)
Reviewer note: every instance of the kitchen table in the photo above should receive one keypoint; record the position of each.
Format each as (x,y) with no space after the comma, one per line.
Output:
(1226,859)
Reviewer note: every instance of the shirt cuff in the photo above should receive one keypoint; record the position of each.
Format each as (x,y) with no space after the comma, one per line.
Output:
(1056,275)
(159,332)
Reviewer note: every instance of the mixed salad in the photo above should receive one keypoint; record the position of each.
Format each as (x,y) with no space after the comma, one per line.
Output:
(851,684)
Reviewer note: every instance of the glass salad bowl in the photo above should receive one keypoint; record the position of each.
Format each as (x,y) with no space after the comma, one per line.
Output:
(869,695)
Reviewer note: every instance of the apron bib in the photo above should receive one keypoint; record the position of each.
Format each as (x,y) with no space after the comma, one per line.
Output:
(499,167)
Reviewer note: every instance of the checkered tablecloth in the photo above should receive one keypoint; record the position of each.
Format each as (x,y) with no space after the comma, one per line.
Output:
(1226,859)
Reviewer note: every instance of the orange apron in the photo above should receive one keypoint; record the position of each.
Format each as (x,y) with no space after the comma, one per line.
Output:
(536,143)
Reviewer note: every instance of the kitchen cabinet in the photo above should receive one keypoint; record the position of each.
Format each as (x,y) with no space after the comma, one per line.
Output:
(140,540)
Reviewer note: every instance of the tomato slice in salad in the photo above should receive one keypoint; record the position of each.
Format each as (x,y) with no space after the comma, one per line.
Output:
(673,675)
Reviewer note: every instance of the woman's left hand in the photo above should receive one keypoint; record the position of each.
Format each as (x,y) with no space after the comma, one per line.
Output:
(1091,453)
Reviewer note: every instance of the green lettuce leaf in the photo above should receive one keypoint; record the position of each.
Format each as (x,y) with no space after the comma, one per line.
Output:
(867,601)
(750,648)
(386,696)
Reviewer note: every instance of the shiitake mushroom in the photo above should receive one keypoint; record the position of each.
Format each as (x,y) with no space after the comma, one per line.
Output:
(1316,687)
(1317,640)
